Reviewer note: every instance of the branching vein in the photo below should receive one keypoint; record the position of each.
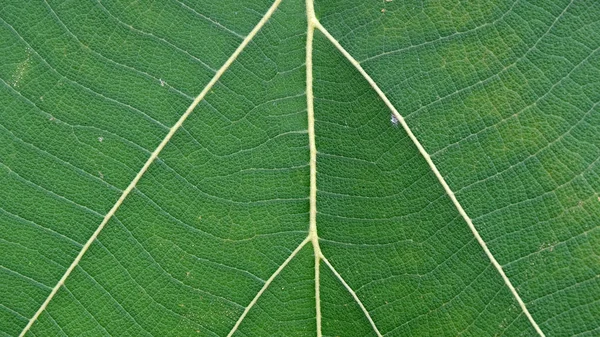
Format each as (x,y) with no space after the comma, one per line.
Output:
(358,301)
(436,172)
(266,285)
(312,237)
(312,227)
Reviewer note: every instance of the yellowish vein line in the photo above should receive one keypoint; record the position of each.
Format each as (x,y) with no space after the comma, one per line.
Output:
(312,228)
(266,285)
(153,156)
(436,172)
(311,121)
(362,307)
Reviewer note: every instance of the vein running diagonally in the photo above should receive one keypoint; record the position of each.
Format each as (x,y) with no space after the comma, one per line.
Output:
(437,173)
(358,301)
(266,285)
(149,162)
(312,24)
(312,236)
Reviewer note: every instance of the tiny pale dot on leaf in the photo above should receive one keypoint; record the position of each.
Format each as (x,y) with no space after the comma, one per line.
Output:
(394,120)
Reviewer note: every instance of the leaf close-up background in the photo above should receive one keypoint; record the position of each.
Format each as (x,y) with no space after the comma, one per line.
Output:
(299,168)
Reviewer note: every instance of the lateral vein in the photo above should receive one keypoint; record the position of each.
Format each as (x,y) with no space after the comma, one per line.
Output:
(358,301)
(151,159)
(436,172)
(266,285)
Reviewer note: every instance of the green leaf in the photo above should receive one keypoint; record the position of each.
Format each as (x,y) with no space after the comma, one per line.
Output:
(336,168)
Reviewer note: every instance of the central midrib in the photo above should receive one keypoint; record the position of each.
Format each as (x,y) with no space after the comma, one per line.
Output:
(312,237)
(313,23)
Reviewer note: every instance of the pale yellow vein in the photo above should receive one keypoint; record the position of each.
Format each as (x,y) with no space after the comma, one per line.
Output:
(312,227)
(437,173)
(358,301)
(266,285)
(151,159)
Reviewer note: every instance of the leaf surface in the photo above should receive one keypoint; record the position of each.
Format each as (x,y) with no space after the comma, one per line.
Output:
(336,168)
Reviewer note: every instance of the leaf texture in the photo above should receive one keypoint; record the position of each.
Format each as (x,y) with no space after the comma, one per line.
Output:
(290,168)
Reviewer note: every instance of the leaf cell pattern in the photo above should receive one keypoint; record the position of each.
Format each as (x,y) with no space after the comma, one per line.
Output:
(185,168)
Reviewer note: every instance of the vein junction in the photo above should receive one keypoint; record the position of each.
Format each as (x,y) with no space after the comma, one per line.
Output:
(312,226)
(436,172)
(312,237)
(312,24)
